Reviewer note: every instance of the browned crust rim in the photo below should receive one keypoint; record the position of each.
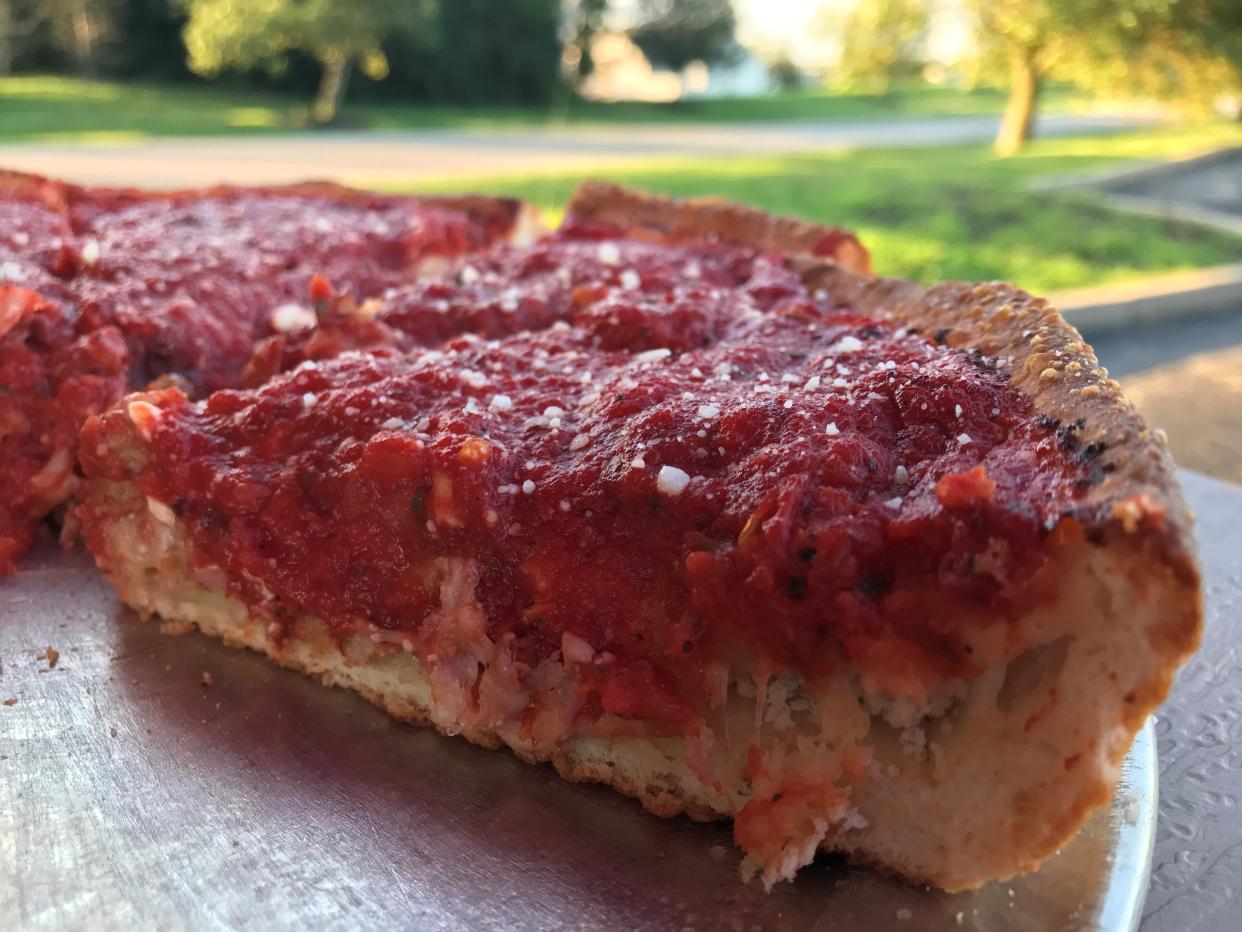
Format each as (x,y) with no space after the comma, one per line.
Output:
(709,218)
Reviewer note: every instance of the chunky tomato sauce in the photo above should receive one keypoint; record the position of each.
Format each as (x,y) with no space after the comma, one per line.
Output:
(661,456)
(102,292)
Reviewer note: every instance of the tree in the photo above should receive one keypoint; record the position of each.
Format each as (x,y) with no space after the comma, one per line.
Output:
(674,33)
(225,33)
(1189,51)
(883,41)
(80,29)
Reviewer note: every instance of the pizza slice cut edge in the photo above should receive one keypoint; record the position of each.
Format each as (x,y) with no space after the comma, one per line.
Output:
(982,777)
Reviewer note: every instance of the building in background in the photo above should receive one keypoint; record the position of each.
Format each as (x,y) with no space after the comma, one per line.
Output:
(622,72)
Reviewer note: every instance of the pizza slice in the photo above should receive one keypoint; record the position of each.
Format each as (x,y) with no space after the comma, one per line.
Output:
(103,291)
(862,566)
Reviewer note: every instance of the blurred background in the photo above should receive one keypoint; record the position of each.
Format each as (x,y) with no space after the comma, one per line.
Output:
(1087,149)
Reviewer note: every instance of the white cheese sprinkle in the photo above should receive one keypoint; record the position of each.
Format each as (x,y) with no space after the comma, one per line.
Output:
(501,403)
(653,355)
(812,384)
(609,253)
(957,410)
(575,649)
(469,275)
(392,423)
(671,480)
(846,345)
(707,412)
(564,504)
(552,411)
(894,502)
(900,475)
(579,441)
(11,272)
(91,251)
(290,317)
(964,439)
(631,280)
(638,462)
(160,511)
(832,430)
(309,399)
(528,487)
(471,407)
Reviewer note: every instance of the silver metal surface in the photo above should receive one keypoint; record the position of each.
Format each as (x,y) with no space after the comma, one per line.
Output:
(133,796)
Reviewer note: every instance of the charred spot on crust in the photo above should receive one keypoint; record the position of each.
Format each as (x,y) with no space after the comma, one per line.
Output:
(796,588)
(941,335)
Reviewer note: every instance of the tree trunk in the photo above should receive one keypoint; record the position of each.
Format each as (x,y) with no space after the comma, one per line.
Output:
(332,85)
(83,29)
(1025,83)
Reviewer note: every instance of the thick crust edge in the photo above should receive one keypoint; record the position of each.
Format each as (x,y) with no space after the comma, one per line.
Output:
(720,220)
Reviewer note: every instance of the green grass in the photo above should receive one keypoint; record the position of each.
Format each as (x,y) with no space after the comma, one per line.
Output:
(70,109)
(952,212)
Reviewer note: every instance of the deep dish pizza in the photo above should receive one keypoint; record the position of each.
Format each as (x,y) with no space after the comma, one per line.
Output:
(103,291)
(671,500)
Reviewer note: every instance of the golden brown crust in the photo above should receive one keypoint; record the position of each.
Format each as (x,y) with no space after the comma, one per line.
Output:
(716,220)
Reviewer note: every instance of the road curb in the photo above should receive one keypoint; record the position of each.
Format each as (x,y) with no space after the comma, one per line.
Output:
(1215,290)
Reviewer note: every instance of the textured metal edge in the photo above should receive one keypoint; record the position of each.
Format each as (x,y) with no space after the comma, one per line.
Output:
(1133,812)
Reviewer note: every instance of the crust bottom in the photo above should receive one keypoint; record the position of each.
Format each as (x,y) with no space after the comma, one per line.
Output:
(982,785)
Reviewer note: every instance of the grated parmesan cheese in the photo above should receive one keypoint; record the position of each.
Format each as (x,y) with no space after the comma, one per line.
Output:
(672,481)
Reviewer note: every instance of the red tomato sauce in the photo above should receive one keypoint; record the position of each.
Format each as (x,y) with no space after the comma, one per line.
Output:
(101,292)
(675,454)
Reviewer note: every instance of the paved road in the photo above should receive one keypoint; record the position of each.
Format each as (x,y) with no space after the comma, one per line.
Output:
(1132,351)
(1186,376)
(363,157)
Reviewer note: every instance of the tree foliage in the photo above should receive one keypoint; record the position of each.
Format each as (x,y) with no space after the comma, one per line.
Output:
(882,41)
(1186,51)
(224,33)
(674,33)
